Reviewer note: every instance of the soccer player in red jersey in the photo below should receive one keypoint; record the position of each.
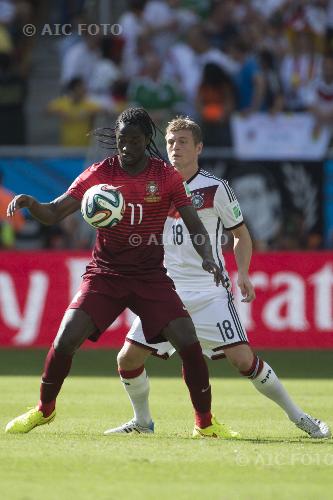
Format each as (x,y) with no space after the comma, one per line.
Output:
(123,273)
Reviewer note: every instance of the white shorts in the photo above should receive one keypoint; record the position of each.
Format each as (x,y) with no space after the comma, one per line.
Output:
(216,321)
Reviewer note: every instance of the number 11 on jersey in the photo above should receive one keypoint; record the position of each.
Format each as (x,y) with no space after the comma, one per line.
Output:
(133,210)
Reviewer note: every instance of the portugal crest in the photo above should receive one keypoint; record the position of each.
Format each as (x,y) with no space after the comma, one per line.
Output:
(152,194)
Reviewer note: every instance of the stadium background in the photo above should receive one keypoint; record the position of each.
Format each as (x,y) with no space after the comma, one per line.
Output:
(256,88)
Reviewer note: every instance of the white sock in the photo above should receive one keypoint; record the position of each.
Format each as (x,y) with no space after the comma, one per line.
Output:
(270,386)
(137,389)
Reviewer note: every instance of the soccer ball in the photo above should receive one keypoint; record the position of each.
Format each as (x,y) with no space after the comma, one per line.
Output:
(103,206)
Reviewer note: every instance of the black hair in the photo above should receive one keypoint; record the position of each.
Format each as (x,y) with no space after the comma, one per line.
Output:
(214,75)
(131,116)
(74,83)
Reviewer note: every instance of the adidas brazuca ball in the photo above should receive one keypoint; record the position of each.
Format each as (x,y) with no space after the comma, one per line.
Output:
(102,206)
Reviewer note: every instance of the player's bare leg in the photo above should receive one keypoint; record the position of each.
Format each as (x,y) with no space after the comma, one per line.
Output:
(75,328)
(267,383)
(132,356)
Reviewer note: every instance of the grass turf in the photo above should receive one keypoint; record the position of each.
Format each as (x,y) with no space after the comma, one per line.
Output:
(72,459)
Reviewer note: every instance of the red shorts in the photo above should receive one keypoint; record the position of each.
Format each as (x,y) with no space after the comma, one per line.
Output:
(104,298)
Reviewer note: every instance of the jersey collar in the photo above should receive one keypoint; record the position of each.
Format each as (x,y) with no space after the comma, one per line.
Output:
(193,176)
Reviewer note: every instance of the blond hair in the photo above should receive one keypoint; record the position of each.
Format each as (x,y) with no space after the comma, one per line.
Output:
(185,123)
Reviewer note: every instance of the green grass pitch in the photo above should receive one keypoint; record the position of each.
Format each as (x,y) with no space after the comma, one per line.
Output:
(71,459)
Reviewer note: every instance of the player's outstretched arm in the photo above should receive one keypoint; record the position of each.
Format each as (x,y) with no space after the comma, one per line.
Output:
(243,254)
(46,213)
(201,241)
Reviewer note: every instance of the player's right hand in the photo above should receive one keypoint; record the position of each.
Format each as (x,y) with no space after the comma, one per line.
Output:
(20,201)
(246,288)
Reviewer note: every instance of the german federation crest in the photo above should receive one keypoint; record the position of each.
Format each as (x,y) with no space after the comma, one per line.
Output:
(197,200)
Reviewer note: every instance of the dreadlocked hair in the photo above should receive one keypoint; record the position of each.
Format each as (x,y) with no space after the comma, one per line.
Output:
(131,116)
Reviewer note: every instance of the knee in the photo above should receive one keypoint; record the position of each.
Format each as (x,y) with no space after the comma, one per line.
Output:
(242,364)
(65,342)
(64,345)
(131,357)
(122,359)
(241,359)
(76,326)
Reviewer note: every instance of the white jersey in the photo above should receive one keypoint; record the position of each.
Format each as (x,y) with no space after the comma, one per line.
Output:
(218,208)
(212,310)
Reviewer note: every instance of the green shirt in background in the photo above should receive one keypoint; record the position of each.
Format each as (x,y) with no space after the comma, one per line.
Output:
(154,96)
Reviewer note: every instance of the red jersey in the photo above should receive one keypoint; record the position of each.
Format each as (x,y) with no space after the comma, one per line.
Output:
(134,246)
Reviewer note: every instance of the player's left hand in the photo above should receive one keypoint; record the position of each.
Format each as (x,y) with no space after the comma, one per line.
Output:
(246,288)
(210,266)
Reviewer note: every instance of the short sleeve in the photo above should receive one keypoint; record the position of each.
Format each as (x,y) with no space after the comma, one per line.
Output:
(179,190)
(227,206)
(83,182)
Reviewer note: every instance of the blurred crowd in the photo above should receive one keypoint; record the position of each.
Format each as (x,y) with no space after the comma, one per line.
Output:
(205,58)
(15,63)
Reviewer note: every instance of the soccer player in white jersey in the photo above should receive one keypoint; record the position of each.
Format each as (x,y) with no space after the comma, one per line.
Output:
(212,309)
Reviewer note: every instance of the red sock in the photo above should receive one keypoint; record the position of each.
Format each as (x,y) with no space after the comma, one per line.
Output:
(56,369)
(46,408)
(131,373)
(253,372)
(203,420)
(195,373)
